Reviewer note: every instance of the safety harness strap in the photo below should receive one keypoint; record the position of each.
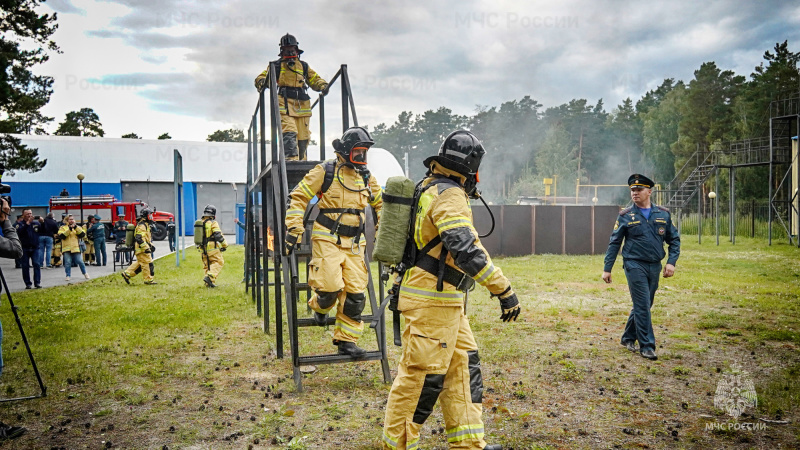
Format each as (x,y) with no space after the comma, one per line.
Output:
(444,272)
(336,227)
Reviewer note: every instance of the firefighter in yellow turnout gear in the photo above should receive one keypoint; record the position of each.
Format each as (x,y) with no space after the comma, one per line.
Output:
(337,269)
(214,246)
(143,248)
(440,356)
(293,81)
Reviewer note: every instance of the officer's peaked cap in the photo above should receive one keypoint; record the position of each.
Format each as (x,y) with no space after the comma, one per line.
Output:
(639,180)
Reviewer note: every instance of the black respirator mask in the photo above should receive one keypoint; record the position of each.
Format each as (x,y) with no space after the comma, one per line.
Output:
(471,186)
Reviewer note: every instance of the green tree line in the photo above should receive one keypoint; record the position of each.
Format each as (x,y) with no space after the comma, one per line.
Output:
(655,135)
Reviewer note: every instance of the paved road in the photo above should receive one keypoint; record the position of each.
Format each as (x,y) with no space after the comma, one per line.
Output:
(56,277)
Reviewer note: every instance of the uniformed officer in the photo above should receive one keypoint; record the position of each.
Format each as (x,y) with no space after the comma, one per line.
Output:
(293,81)
(644,227)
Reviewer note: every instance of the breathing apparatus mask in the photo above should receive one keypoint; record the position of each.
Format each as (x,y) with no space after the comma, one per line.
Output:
(353,147)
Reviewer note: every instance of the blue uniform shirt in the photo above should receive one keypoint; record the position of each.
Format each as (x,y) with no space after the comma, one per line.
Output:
(644,237)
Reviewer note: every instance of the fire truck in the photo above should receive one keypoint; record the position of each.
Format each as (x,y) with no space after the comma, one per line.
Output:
(110,210)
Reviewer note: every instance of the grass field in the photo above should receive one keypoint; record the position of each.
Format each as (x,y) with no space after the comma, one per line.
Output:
(183,366)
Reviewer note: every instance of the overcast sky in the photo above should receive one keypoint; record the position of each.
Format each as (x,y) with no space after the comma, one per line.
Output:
(187,67)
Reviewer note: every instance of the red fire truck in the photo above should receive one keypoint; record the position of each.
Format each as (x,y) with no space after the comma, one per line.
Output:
(110,210)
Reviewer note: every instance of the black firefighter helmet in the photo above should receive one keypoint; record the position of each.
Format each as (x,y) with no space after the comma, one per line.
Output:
(462,152)
(354,137)
(210,211)
(145,213)
(289,41)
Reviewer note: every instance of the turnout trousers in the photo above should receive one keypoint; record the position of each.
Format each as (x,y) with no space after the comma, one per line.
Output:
(142,264)
(642,282)
(338,277)
(212,265)
(440,361)
(295,135)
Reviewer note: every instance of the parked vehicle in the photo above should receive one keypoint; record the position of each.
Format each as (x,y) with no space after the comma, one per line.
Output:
(110,210)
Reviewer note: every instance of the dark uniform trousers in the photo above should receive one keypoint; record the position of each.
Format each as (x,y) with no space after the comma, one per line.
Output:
(642,282)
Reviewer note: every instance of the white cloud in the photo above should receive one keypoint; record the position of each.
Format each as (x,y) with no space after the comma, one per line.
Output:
(201,58)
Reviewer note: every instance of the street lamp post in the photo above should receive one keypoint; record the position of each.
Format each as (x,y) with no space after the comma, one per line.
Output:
(713,196)
(80,181)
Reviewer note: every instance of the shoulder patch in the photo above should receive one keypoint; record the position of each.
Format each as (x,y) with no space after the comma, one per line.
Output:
(625,211)
(662,208)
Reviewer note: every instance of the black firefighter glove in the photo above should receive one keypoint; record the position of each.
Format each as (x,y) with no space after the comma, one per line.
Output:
(509,305)
(152,248)
(222,249)
(325,90)
(290,244)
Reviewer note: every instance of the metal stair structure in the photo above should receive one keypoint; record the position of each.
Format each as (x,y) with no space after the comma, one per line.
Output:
(270,178)
(774,150)
(688,188)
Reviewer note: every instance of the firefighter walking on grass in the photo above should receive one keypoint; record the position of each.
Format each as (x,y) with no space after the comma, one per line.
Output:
(337,269)
(212,246)
(294,102)
(440,356)
(143,248)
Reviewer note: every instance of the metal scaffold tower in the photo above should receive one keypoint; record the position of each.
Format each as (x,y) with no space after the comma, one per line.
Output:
(272,277)
(774,151)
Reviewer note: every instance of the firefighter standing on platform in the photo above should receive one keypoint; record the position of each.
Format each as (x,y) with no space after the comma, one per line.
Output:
(293,81)
(440,356)
(143,248)
(213,246)
(337,269)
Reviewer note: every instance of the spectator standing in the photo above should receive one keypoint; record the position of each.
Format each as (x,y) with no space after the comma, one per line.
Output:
(18,261)
(171,235)
(70,235)
(47,232)
(10,247)
(98,233)
(28,232)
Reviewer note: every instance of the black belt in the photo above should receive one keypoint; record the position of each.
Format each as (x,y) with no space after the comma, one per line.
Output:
(297,93)
(335,226)
(440,270)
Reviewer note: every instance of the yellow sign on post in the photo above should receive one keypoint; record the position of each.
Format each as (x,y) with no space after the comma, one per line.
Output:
(547,183)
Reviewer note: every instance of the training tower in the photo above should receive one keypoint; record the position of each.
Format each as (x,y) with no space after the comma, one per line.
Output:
(776,151)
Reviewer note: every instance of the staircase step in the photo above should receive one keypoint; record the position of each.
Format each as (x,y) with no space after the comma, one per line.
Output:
(336,358)
(310,322)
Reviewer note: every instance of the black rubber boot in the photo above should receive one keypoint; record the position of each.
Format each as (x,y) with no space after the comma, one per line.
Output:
(208,282)
(350,348)
(320,318)
(302,148)
(290,145)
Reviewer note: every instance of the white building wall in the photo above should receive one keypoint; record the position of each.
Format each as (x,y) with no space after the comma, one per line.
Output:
(111,160)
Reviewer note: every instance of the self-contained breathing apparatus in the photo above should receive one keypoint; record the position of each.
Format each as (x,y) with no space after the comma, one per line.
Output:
(461,152)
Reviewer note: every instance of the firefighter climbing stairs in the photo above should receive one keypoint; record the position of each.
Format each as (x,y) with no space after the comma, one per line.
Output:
(269,181)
